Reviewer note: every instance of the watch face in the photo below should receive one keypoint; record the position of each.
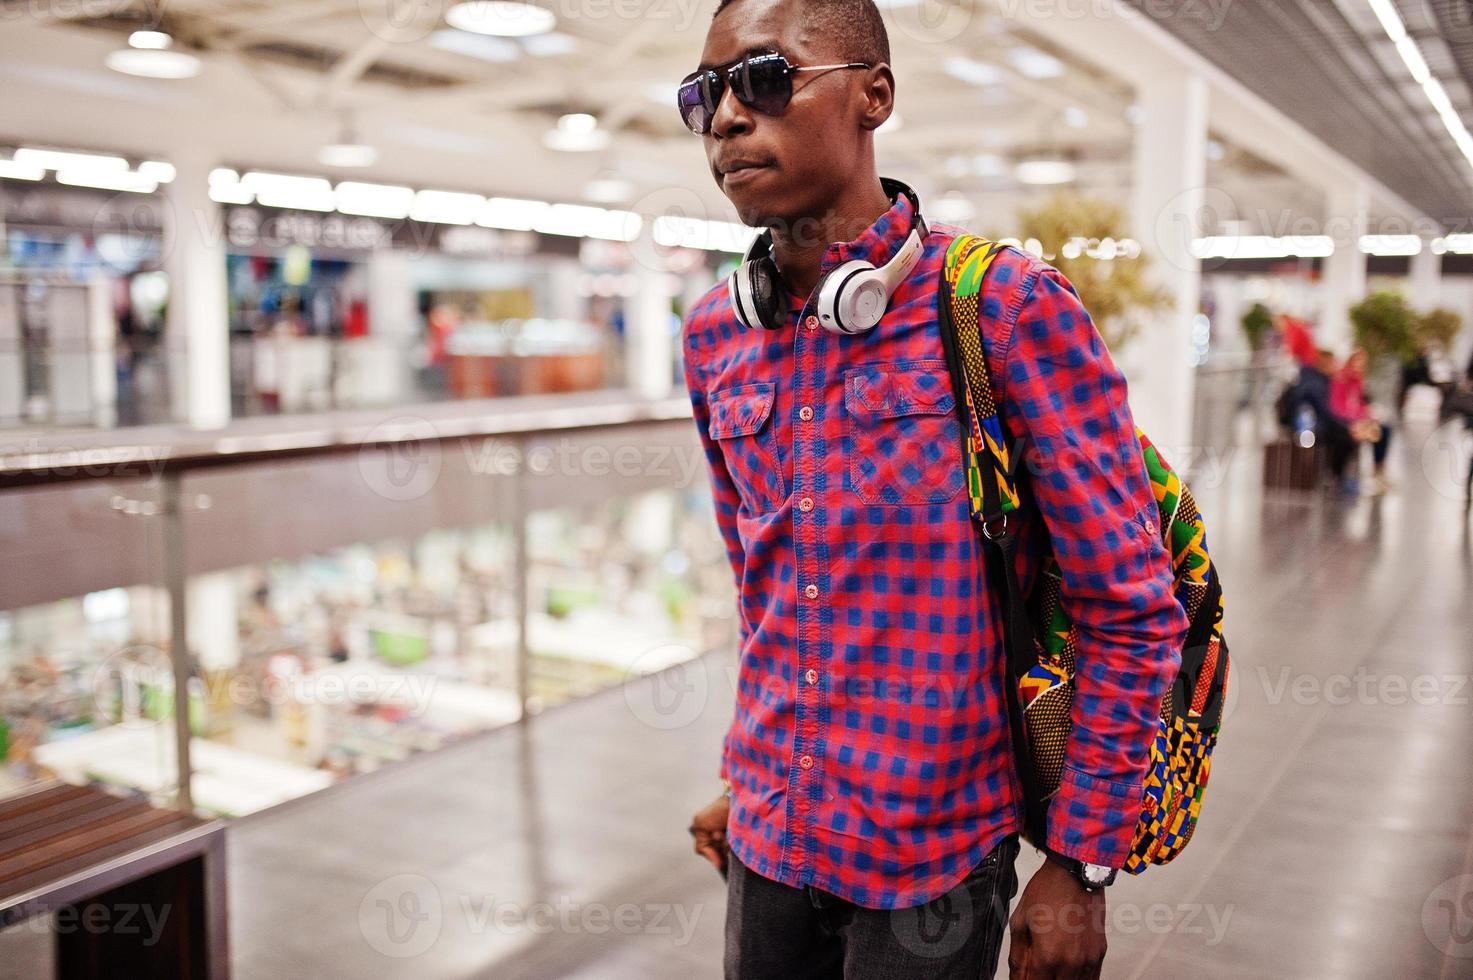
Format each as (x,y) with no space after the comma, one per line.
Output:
(1097,874)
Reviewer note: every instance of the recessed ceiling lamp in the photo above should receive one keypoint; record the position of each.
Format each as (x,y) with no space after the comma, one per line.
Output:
(1044,172)
(150,40)
(1034,63)
(608,190)
(576,132)
(503,18)
(149,55)
(347,152)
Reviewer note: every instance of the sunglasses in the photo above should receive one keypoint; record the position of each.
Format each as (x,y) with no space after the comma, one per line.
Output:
(763,83)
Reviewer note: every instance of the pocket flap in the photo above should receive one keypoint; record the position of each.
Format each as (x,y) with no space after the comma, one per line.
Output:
(740,411)
(892,390)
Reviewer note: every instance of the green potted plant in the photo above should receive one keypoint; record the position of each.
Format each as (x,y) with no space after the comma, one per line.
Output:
(1386,326)
(1074,231)
(1439,328)
(1258,323)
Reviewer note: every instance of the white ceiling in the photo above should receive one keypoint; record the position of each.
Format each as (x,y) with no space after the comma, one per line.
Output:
(281,78)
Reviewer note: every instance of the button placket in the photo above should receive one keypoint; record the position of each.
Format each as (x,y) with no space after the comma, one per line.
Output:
(806,460)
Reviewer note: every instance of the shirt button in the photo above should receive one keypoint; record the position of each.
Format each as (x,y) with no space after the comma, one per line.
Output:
(806,504)
(811,591)
(806,761)
(1150,527)
(811,323)
(805,413)
(811,676)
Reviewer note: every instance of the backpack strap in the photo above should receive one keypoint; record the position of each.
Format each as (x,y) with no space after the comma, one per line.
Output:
(992,489)
(991,484)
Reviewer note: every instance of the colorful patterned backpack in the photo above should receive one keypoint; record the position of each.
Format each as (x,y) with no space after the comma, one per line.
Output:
(1040,639)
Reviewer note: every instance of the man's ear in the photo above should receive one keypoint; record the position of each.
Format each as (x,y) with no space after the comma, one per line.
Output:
(879,97)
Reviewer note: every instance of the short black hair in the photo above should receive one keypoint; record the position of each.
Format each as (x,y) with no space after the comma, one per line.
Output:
(856,25)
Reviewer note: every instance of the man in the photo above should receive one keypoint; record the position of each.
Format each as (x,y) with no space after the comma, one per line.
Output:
(870,824)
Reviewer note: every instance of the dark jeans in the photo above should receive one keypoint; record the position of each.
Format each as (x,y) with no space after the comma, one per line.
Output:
(784,933)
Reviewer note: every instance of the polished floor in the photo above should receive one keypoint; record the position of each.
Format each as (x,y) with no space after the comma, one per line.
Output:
(1336,842)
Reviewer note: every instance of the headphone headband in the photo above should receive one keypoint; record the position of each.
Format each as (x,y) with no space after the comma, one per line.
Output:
(758,296)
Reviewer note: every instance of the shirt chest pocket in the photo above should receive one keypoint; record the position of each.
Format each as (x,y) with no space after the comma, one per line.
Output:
(741,424)
(902,443)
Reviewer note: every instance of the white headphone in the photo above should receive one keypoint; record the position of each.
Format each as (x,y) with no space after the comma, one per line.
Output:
(851,298)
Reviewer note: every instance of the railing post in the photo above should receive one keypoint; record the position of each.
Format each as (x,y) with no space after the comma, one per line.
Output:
(521,570)
(174,580)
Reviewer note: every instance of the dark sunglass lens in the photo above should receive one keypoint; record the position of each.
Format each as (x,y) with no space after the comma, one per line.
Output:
(766,84)
(691,102)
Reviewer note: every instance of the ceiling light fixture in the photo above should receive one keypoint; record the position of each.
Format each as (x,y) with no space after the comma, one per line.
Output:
(1044,172)
(288,191)
(972,71)
(1411,55)
(1391,244)
(158,170)
(576,132)
(154,63)
(150,40)
(502,18)
(10,170)
(608,190)
(108,180)
(1264,247)
(347,153)
(446,207)
(68,160)
(1034,63)
(226,188)
(671,231)
(374,200)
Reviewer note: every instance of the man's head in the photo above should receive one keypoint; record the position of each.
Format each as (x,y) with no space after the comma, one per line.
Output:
(779,169)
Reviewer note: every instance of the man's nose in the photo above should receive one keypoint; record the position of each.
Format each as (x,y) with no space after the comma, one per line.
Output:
(732,118)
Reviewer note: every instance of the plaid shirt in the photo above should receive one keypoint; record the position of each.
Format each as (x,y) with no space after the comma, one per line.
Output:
(869,754)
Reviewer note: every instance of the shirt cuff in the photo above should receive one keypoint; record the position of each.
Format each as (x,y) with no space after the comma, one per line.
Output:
(1094,820)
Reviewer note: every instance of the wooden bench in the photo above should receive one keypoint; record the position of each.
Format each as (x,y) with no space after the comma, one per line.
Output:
(134,891)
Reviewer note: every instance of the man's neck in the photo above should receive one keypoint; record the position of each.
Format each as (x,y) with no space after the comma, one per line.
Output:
(798,249)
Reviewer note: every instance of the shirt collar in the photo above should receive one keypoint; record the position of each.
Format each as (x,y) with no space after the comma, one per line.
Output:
(879,242)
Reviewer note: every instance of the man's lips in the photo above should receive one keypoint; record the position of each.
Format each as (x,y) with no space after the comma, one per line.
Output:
(740,170)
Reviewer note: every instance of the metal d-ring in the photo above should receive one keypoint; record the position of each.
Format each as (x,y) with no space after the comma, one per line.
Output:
(990,534)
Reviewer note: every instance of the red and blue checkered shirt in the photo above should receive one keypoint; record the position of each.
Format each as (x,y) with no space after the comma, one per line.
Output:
(869,754)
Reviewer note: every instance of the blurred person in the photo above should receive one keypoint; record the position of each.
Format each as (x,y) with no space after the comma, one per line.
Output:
(1297,338)
(1417,370)
(1352,407)
(1309,409)
(868,830)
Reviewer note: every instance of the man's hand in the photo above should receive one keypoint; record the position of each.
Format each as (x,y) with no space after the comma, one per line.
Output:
(1058,928)
(708,827)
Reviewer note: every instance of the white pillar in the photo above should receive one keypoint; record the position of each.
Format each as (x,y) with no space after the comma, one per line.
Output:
(649,353)
(1344,279)
(198,328)
(1167,203)
(1426,276)
(214,620)
(381,375)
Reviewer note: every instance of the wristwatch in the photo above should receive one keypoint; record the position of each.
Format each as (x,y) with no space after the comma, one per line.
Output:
(1093,877)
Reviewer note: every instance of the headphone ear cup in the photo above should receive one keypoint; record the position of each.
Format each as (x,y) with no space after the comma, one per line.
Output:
(769,298)
(852,298)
